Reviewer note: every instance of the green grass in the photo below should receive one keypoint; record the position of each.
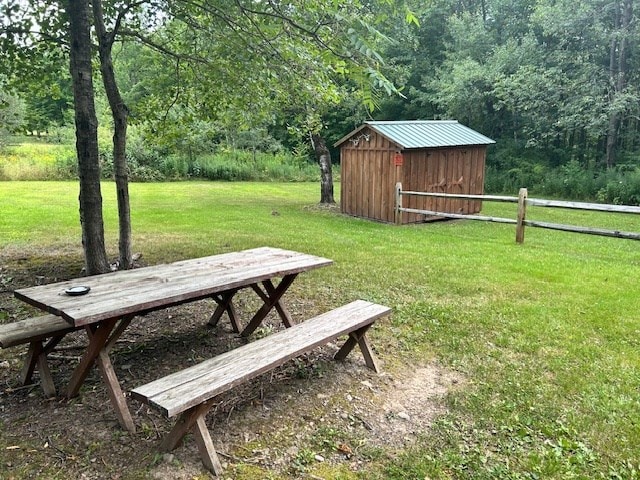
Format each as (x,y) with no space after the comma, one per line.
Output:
(547,334)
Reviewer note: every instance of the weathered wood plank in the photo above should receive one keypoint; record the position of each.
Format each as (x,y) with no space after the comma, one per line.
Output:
(114,391)
(180,281)
(587,230)
(178,392)
(599,207)
(118,294)
(32,329)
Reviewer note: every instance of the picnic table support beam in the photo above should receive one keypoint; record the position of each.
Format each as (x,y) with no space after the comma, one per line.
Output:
(102,337)
(270,289)
(46,380)
(98,338)
(37,356)
(358,338)
(194,420)
(30,362)
(225,304)
(205,447)
(118,400)
(272,300)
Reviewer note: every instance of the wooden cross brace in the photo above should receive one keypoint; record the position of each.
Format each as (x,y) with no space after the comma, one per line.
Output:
(102,337)
(271,296)
(37,356)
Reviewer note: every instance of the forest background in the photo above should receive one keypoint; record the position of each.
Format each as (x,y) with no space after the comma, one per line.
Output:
(555,83)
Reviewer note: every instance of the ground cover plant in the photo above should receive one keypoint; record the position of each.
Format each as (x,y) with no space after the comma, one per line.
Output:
(542,339)
(29,158)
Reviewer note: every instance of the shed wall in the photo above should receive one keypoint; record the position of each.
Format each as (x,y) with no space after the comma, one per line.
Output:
(369,174)
(445,170)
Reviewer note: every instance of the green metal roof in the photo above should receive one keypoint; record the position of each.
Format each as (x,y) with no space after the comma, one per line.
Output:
(425,133)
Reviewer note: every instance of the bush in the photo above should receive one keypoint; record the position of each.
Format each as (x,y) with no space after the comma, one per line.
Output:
(620,186)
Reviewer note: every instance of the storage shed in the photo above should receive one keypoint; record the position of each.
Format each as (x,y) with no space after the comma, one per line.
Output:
(426,156)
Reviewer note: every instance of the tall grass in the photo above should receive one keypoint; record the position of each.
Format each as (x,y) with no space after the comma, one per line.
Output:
(573,180)
(35,160)
(545,334)
(47,161)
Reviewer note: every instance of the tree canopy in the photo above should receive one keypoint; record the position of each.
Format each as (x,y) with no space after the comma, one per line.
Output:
(557,76)
(213,57)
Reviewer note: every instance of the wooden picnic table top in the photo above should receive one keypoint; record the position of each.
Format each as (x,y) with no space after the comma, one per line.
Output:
(132,292)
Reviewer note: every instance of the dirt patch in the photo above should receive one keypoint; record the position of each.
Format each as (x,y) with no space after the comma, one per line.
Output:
(309,412)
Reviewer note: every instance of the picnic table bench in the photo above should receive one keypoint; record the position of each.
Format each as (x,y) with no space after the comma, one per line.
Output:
(191,392)
(35,331)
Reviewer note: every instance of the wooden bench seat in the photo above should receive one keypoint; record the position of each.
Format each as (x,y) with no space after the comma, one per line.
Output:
(35,331)
(190,393)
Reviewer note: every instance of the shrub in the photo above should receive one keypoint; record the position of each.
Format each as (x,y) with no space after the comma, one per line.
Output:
(619,187)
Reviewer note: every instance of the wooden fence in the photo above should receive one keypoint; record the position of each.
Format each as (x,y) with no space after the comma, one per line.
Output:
(520,221)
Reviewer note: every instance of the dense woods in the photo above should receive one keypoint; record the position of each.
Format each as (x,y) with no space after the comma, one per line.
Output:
(554,82)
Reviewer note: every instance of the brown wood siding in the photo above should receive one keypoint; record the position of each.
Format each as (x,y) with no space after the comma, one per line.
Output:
(467,171)
(369,176)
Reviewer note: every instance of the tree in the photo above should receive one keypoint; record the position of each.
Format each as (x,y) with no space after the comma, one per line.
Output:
(120,113)
(12,113)
(295,60)
(81,57)
(618,72)
(280,42)
(556,77)
(323,156)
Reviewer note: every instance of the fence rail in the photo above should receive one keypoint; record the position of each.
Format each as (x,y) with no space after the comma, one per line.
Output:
(520,221)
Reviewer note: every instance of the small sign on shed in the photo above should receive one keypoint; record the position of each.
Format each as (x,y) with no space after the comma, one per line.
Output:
(424,155)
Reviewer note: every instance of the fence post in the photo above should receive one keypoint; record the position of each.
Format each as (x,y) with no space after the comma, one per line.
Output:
(522,213)
(398,213)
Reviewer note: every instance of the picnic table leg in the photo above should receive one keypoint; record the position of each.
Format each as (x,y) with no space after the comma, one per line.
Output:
(97,340)
(282,310)
(225,304)
(46,381)
(358,338)
(101,339)
(30,362)
(205,447)
(271,299)
(114,391)
(37,356)
(194,420)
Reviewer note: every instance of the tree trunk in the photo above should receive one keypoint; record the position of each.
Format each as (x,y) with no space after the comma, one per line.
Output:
(618,73)
(120,114)
(86,138)
(323,156)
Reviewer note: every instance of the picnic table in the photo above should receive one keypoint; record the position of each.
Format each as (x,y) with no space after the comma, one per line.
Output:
(115,299)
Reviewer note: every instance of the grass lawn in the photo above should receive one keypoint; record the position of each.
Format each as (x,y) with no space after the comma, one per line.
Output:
(546,334)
